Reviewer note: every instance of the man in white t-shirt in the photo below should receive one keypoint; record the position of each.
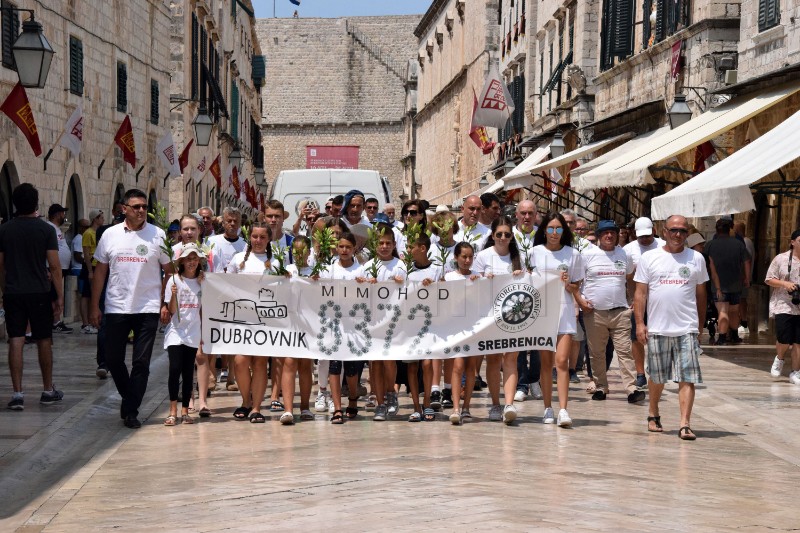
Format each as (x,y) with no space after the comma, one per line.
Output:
(604,303)
(130,253)
(207,214)
(670,284)
(353,209)
(470,229)
(645,241)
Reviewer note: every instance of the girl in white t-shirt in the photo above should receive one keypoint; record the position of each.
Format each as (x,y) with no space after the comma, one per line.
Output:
(552,253)
(292,366)
(182,336)
(464,255)
(389,268)
(257,260)
(345,268)
(500,255)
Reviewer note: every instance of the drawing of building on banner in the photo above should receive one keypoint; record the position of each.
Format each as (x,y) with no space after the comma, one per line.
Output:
(245,311)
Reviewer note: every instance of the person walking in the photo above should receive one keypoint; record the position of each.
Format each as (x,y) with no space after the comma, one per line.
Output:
(27,245)
(729,268)
(670,285)
(783,275)
(130,253)
(57,217)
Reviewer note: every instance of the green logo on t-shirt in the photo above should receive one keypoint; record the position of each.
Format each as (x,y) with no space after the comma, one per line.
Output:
(141,250)
(684,272)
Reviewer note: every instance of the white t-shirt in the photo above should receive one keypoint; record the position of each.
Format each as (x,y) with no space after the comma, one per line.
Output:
(77,247)
(455,275)
(287,251)
(337,271)
(134,260)
(187,330)
(64,252)
(476,235)
(435,254)
(569,259)
(488,261)
(255,264)
(432,272)
(222,250)
(634,250)
(672,280)
(302,272)
(364,220)
(604,279)
(387,271)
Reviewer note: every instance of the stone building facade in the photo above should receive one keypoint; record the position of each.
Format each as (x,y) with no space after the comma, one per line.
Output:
(337,82)
(217,64)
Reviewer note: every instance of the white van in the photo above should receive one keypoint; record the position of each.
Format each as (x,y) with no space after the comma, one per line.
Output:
(291,187)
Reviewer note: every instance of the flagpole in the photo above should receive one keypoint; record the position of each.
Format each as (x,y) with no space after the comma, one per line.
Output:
(142,168)
(50,152)
(103,161)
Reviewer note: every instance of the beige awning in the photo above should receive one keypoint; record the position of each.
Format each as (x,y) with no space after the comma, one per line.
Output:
(576,154)
(632,168)
(521,176)
(725,187)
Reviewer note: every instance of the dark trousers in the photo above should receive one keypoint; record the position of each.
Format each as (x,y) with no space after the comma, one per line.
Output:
(101,331)
(131,386)
(529,366)
(181,368)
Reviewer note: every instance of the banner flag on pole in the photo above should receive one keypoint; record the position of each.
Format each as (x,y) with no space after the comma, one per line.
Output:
(183,160)
(72,139)
(494,103)
(478,134)
(216,171)
(199,170)
(17,107)
(124,139)
(168,154)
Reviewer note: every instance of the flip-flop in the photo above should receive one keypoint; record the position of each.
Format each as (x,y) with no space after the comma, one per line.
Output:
(428,414)
(276,406)
(657,420)
(337,417)
(686,433)
(241,413)
(257,418)
(205,412)
(171,420)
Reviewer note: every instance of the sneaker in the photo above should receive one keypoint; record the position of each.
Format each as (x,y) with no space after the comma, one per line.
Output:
(287,418)
(519,396)
(89,330)
(548,417)
(743,330)
(321,403)
(564,421)
(600,394)
(777,367)
(794,378)
(455,418)
(223,376)
(509,414)
(17,403)
(496,413)
(536,391)
(436,400)
(465,415)
(447,399)
(641,382)
(573,377)
(391,403)
(380,413)
(60,327)
(478,385)
(101,372)
(636,396)
(50,397)
(371,402)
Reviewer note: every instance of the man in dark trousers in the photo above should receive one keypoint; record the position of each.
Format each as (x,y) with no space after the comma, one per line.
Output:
(27,245)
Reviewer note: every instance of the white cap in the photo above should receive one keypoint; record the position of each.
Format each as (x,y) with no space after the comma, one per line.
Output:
(441,208)
(643,227)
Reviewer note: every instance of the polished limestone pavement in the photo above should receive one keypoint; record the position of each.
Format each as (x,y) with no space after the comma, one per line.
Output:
(74,467)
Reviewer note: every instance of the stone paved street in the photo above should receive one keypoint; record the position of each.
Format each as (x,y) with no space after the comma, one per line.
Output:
(74,467)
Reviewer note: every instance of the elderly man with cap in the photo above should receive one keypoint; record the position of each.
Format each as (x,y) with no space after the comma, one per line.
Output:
(729,268)
(605,309)
(56,217)
(645,241)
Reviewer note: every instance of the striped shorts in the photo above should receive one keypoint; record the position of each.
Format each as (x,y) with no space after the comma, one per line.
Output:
(674,358)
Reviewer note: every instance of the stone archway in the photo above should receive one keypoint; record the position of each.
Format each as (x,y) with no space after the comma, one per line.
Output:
(74,203)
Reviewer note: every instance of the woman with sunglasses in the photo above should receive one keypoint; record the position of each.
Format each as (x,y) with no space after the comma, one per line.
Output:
(412,212)
(501,256)
(553,254)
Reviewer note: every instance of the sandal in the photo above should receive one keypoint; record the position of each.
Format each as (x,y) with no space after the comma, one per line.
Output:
(186,419)
(415,417)
(657,423)
(352,412)
(428,414)
(686,433)
(205,412)
(306,414)
(241,413)
(337,417)
(257,418)
(171,420)
(276,406)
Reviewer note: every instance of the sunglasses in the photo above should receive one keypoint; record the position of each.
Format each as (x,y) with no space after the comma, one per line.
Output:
(137,207)
(678,231)
(558,231)
(412,213)
(503,235)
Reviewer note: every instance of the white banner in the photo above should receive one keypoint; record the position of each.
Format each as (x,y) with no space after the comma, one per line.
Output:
(349,321)
(168,154)
(73,132)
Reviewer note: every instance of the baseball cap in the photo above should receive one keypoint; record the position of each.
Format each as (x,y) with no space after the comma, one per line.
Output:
(605,225)
(56,208)
(643,227)
(441,208)
(94,213)
(694,239)
(381,217)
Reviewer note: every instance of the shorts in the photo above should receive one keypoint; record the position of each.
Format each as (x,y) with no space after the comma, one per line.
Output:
(35,308)
(674,358)
(84,283)
(633,324)
(787,329)
(351,368)
(731,298)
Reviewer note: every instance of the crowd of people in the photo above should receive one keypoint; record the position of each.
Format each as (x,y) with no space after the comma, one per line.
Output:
(625,292)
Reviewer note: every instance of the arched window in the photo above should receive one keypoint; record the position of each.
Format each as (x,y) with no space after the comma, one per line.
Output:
(74,204)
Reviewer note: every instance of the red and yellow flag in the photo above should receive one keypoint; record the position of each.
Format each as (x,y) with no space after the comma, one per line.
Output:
(18,109)
(124,139)
(216,171)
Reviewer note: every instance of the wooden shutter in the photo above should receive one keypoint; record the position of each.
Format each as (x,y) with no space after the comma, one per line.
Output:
(622,41)
(195,59)
(661,20)
(122,87)
(647,7)
(203,61)
(607,36)
(10,29)
(75,65)
(234,111)
(769,15)
(154,96)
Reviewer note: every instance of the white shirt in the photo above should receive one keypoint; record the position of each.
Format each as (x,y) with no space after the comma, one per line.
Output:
(223,250)
(435,255)
(77,246)
(488,261)
(303,272)
(455,275)
(566,259)
(134,260)
(432,272)
(364,220)
(604,277)
(187,330)
(672,280)
(387,271)
(476,235)
(64,252)
(337,271)
(255,264)
(287,251)
(634,250)
(525,241)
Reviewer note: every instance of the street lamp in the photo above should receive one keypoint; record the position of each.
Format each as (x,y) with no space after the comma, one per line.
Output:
(203,125)
(509,166)
(235,157)
(557,146)
(484,181)
(680,113)
(259,174)
(32,53)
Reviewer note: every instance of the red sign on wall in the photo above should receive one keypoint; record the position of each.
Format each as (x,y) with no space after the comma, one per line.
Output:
(332,157)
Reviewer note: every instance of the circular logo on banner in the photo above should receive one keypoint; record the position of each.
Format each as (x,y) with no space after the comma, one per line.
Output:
(142,249)
(517,307)
(684,272)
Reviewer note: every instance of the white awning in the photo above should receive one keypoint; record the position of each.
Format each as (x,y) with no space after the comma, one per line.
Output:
(631,169)
(521,176)
(576,154)
(580,184)
(724,188)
